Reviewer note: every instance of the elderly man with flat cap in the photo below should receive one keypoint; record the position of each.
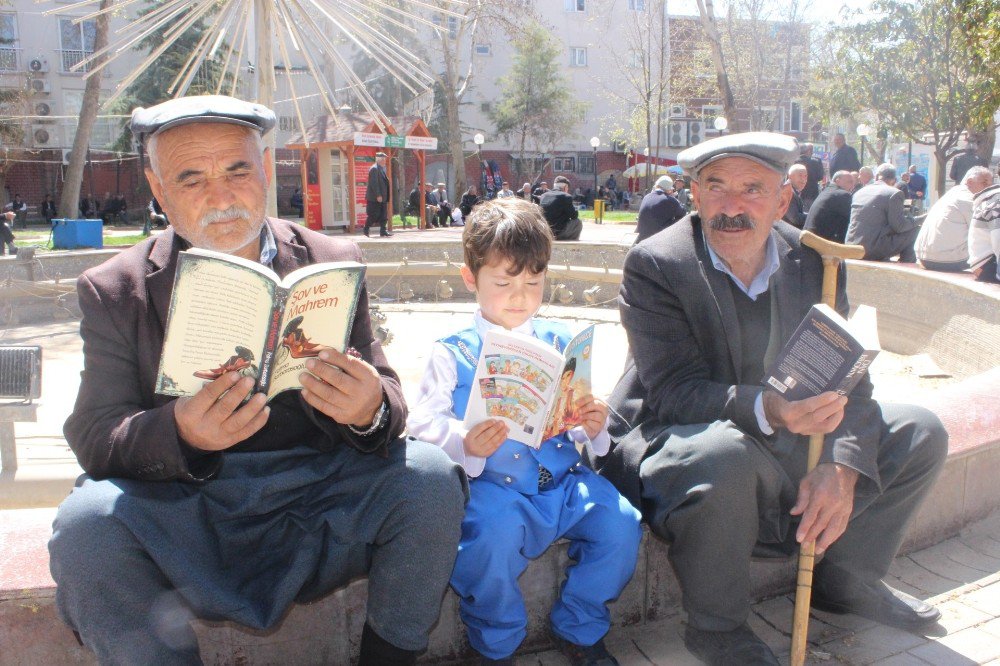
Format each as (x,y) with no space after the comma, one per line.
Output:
(218,506)
(716,462)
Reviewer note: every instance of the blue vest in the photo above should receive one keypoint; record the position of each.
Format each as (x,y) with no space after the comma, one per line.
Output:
(513,465)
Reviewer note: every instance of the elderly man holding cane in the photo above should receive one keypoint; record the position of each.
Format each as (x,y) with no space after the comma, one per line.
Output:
(717,463)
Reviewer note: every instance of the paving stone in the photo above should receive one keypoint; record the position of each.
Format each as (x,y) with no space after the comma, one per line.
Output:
(872,645)
(956,616)
(970,557)
(663,644)
(925,583)
(986,599)
(981,542)
(969,646)
(992,627)
(938,560)
(902,659)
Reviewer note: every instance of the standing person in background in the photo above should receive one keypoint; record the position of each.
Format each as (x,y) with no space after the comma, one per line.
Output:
(682,193)
(377,197)
(816,174)
(917,189)
(844,158)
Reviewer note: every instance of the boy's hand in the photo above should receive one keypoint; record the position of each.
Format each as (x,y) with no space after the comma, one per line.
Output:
(485,438)
(593,413)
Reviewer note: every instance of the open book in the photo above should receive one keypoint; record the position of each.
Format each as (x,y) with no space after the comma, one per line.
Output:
(530,385)
(229,313)
(825,353)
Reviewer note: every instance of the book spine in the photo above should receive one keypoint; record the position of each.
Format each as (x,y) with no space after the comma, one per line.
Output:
(271,344)
(856,372)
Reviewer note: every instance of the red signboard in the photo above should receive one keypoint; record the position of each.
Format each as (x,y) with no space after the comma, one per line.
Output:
(361,165)
(314,206)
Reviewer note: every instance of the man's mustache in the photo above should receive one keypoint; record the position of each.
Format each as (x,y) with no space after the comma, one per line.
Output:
(216,215)
(723,222)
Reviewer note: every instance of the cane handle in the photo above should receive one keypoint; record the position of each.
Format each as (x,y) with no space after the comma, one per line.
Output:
(828,248)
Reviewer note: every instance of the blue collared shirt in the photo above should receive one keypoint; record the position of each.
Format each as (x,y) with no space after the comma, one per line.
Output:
(757,286)
(268,246)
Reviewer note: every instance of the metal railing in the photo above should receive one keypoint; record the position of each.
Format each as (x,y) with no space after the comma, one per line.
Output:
(69,59)
(10,59)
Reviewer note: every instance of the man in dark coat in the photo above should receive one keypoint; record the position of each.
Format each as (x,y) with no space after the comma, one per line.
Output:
(658,210)
(796,213)
(220,505)
(831,212)
(845,158)
(964,161)
(716,462)
(377,197)
(560,213)
(816,174)
(879,221)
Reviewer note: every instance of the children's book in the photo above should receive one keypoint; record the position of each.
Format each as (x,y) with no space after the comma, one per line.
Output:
(532,386)
(229,313)
(825,353)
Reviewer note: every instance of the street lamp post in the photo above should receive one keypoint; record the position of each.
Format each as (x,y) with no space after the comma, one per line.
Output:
(864,131)
(594,143)
(479,139)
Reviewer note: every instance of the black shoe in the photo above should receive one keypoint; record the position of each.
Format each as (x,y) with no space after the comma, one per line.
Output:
(366,233)
(726,648)
(585,655)
(838,591)
(386,234)
(486,661)
(376,651)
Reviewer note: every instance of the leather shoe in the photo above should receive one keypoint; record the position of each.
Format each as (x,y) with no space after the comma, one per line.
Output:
(838,591)
(725,648)
(386,234)
(585,655)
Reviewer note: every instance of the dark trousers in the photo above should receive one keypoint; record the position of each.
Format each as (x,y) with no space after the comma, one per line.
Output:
(136,561)
(891,244)
(570,232)
(376,215)
(945,266)
(719,497)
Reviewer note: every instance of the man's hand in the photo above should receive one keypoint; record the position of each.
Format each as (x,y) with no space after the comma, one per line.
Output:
(485,438)
(594,414)
(825,502)
(818,415)
(212,419)
(343,387)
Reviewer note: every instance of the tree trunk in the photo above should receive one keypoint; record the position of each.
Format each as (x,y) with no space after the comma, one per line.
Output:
(941,155)
(70,200)
(455,145)
(707,11)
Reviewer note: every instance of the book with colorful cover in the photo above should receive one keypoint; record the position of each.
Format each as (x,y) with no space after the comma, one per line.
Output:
(232,314)
(532,386)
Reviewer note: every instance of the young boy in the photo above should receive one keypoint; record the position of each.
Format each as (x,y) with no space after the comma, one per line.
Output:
(523,499)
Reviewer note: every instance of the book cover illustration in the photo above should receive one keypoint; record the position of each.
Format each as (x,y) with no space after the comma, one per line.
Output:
(530,385)
(825,353)
(230,314)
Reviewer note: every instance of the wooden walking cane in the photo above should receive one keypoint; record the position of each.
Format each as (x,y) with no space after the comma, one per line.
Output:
(832,254)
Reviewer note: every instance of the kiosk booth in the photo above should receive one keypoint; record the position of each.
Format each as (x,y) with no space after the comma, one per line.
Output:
(337,152)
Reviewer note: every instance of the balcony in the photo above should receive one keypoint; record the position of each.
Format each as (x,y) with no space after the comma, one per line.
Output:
(10,59)
(69,59)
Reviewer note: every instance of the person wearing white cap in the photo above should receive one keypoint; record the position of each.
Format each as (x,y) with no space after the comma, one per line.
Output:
(217,505)
(716,461)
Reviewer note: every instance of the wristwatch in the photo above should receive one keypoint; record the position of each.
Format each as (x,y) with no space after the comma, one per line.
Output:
(378,422)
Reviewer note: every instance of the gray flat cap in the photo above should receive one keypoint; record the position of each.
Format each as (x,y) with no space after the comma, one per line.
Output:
(199,109)
(775,151)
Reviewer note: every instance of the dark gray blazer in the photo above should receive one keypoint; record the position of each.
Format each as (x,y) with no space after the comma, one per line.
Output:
(121,428)
(684,363)
(876,212)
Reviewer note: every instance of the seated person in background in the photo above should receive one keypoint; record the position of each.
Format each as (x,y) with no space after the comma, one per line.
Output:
(943,241)
(831,212)
(536,194)
(798,176)
(7,232)
(156,215)
(716,460)
(682,193)
(984,235)
(524,192)
(412,205)
(505,191)
(560,213)
(523,499)
(879,221)
(865,177)
(658,210)
(218,505)
(443,205)
(469,200)
(49,209)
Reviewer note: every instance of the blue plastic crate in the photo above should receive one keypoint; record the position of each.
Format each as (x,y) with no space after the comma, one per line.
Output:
(71,234)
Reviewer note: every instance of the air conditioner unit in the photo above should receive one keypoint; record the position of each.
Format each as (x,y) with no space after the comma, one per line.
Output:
(66,154)
(678,111)
(696,132)
(40,86)
(677,134)
(42,135)
(43,109)
(38,65)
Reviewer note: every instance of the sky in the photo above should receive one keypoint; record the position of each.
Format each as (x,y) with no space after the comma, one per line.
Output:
(821,11)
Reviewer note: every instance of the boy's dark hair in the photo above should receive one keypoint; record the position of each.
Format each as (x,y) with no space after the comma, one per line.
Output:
(511,229)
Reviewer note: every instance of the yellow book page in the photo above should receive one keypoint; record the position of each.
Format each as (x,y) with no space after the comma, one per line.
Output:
(218,321)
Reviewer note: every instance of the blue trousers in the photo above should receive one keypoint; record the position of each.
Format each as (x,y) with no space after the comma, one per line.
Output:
(503,530)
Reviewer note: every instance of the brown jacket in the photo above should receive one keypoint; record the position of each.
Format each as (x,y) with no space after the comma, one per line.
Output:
(121,428)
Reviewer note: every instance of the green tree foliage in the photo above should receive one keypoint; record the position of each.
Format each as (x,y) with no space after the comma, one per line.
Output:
(536,107)
(910,65)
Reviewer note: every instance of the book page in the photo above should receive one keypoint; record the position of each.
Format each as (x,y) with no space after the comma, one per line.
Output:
(319,313)
(515,380)
(217,322)
(574,383)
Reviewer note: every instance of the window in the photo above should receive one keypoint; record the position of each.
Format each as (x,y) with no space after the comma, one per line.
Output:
(769,118)
(452,24)
(577,56)
(575,5)
(709,112)
(637,5)
(106,130)
(485,107)
(586,163)
(484,49)
(287,123)
(528,166)
(77,42)
(795,122)
(564,164)
(8,42)
(635,58)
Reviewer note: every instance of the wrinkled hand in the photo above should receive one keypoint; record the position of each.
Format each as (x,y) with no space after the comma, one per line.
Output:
(485,438)
(593,414)
(825,502)
(818,415)
(345,388)
(212,419)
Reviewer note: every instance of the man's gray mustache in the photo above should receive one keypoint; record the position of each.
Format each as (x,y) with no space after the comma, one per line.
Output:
(723,222)
(215,215)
